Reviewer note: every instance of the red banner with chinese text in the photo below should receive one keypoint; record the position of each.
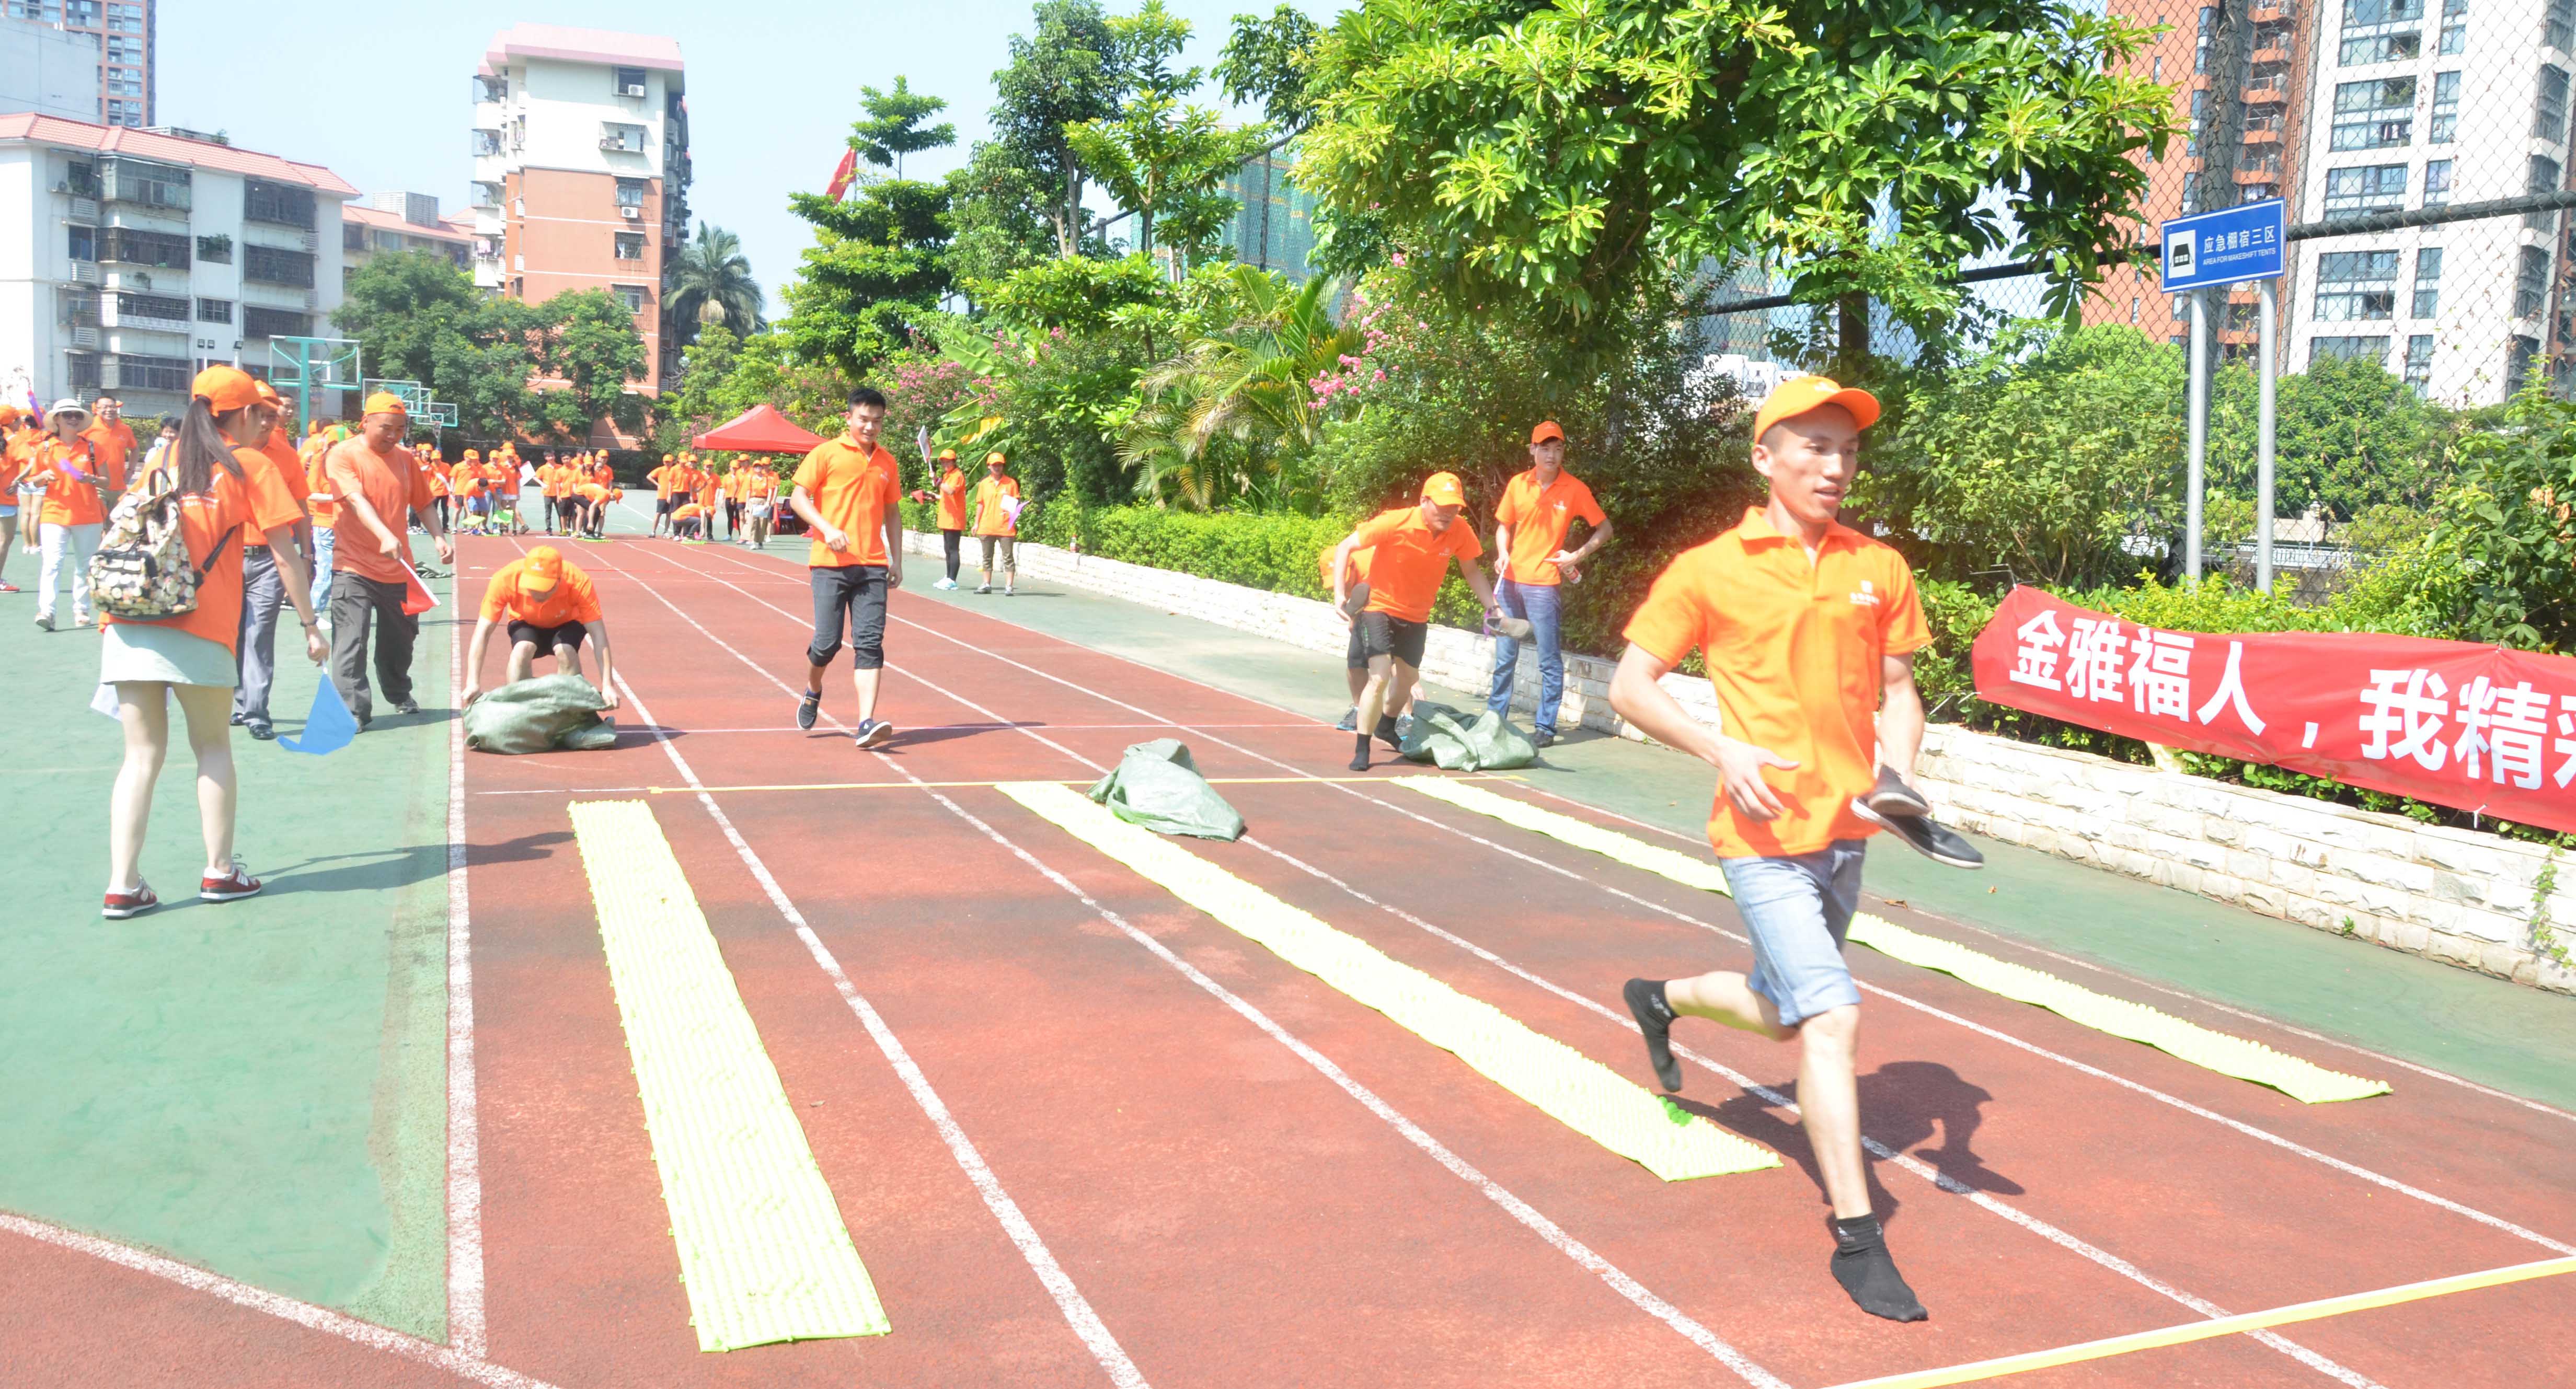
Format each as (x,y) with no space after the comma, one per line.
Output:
(2478,728)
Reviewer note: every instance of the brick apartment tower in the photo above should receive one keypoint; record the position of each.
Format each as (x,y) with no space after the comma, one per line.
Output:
(581,171)
(2240,73)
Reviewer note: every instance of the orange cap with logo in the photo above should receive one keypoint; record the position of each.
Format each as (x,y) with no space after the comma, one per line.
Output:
(545,563)
(996,457)
(386,403)
(225,389)
(1545,431)
(1442,489)
(1800,394)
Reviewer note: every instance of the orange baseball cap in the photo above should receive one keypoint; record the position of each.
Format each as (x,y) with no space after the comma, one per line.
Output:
(995,457)
(386,403)
(224,389)
(545,562)
(948,455)
(1442,489)
(267,393)
(1545,431)
(1800,394)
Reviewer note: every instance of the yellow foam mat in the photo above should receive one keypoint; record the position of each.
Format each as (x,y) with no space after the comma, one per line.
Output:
(1563,1083)
(762,1249)
(2222,1052)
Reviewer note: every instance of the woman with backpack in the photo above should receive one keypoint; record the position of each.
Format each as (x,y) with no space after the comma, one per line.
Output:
(173,621)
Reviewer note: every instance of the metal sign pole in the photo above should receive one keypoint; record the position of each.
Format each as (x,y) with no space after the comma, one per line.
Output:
(2265,419)
(2199,434)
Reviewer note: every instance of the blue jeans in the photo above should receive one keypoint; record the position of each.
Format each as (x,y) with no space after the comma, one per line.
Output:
(1797,911)
(1540,605)
(322,538)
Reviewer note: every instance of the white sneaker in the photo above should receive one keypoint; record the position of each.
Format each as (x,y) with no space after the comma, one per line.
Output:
(945,583)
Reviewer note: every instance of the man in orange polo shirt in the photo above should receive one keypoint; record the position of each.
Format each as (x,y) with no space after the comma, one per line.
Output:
(845,491)
(759,502)
(669,481)
(1412,547)
(1355,572)
(1530,523)
(1809,630)
(110,437)
(952,514)
(264,570)
(551,607)
(382,489)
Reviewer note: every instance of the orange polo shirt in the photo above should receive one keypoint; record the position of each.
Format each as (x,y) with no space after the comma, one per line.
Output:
(1405,573)
(395,485)
(991,517)
(665,479)
(1793,649)
(244,508)
(506,598)
(114,444)
(851,493)
(759,484)
(952,499)
(290,469)
(1539,518)
(324,508)
(1359,567)
(68,500)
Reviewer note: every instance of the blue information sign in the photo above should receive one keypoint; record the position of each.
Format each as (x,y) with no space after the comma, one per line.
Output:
(2226,247)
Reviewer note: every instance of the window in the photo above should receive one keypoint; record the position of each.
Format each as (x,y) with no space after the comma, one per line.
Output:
(276,266)
(135,247)
(621,137)
(2373,115)
(126,113)
(2199,107)
(81,243)
(2133,308)
(2437,182)
(123,82)
(125,19)
(2543,178)
(84,367)
(120,49)
(281,204)
(2381,48)
(2208,30)
(632,296)
(81,179)
(2419,363)
(2549,112)
(2347,349)
(2373,188)
(76,308)
(41,11)
(2558,27)
(487,194)
(2360,14)
(214,311)
(630,245)
(274,323)
(486,143)
(2531,283)
(630,192)
(2455,25)
(152,185)
(140,373)
(80,12)
(493,86)
(2356,285)
(353,236)
(165,307)
(630,81)
(2446,109)
(2524,349)
(215,250)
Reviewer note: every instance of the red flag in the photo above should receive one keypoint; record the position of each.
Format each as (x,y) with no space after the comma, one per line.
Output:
(841,176)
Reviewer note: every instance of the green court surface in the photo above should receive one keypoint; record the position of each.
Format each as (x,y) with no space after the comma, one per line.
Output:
(2514,1038)
(260,1092)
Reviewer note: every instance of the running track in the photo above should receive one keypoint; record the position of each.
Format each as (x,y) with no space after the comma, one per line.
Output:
(1083,1135)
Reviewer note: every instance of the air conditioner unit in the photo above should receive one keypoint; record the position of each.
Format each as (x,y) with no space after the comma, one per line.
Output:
(630,213)
(632,89)
(85,337)
(84,272)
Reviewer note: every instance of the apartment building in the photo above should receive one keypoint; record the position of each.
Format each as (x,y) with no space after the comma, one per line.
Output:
(48,71)
(2240,75)
(129,259)
(391,222)
(581,171)
(123,35)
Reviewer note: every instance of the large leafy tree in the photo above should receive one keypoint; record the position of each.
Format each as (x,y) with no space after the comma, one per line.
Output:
(587,354)
(2349,435)
(711,273)
(1214,422)
(1265,61)
(546,372)
(894,125)
(1161,156)
(997,214)
(1062,74)
(879,265)
(1550,157)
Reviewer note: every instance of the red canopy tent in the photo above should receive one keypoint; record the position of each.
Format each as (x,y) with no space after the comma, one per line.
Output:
(759,429)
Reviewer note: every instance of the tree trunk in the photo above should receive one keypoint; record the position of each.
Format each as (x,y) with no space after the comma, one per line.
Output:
(1069,231)
(1851,315)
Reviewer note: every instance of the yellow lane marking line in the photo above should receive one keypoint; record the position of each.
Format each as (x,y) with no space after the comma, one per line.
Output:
(1559,1081)
(2213,1328)
(763,1252)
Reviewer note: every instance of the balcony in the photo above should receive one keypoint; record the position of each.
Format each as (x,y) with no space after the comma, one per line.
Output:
(160,313)
(2267,88)
(161,187)
(621,138)
(487,143)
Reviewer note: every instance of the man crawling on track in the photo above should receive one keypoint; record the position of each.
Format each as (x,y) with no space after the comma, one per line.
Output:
(689,521)
(1410,551)
(551,608)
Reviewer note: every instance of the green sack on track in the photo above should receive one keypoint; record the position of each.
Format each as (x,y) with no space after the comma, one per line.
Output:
(1454,742)
(1156,785)
(540,715)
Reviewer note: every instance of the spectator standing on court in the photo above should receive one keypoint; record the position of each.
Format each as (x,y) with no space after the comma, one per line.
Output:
(952,515)
(77,488)
(110,437)
(1411,548)
(380,486)
(846,491)
(760,502)
(1809,630)
(230,501)
(265,572)
(324,509)
(550,607)
(1530,523)
(997,522)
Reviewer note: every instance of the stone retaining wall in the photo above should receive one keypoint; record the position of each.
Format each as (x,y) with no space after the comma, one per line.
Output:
(2455,896)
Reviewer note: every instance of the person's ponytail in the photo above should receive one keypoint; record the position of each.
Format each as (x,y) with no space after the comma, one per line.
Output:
(201,448)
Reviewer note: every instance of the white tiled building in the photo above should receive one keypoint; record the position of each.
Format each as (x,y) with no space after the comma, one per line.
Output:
(129,259)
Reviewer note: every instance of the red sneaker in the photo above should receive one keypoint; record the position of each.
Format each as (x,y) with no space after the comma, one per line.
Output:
(8,587)
(121,905)
(231,887)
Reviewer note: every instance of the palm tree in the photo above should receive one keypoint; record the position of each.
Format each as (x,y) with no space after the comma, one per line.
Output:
(1216,418)
(711,271)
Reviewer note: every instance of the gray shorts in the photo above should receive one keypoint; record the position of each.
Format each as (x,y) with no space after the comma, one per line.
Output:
(1797,911)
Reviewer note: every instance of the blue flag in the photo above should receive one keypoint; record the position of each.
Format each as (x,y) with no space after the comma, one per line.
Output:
(328,728)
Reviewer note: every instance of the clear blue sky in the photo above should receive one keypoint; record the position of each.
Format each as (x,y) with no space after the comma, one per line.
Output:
(381,94)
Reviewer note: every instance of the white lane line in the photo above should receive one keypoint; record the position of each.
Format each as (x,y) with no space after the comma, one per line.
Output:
(1780,1101)
(473,1368)
(1077,1309)
(2238,1125)
(1529,1216)
(465,1326)
(2138,981)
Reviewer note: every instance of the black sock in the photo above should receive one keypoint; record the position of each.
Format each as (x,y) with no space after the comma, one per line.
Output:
(1654,1014)
(1360,755)
(1862,1265)
(1653,997)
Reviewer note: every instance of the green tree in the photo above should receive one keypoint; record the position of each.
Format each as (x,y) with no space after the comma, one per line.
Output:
(1064,73)
(997,216)
(2349,437)
(1163,158)
(1265,61)
(1555,157)
(417,317)
(893,127)
(874,276)
(711,274)
(2509,527)
(587,354)
(1218,421)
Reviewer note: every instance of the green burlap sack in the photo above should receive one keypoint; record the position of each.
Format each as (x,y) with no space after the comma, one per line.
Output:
(541,715)
(1156,785)
(1454,742)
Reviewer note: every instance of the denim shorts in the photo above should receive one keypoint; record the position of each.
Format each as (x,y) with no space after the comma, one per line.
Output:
(1797,910)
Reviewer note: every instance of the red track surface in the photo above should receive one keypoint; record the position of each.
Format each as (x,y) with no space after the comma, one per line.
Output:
(1233,1215)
